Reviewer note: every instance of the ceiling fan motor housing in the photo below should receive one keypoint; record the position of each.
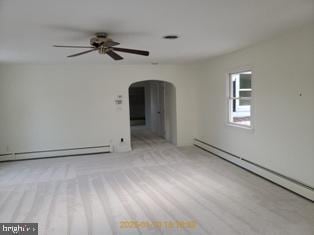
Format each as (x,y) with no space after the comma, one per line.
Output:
(96,42)
(99,39)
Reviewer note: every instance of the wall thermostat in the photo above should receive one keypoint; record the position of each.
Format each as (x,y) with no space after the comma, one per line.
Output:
(119,99)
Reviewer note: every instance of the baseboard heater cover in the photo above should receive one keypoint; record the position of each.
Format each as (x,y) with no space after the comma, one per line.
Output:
(289,183)
(56,153)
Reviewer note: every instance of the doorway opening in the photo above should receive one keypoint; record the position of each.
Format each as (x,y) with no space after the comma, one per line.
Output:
(137,105)
(153,109)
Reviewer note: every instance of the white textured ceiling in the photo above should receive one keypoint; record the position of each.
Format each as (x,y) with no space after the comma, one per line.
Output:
(29,28)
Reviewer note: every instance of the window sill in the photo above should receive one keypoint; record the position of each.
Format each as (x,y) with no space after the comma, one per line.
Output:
(241,127)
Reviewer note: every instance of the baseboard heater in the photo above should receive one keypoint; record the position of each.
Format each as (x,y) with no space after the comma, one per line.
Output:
(55,153)
(289,183)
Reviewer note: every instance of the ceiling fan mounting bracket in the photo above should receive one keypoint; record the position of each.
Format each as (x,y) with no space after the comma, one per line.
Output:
(101,35)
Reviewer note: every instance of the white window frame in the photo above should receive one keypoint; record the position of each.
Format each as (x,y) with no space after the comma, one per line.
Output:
(228,92)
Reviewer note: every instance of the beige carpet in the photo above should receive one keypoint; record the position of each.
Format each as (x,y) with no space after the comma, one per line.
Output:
(155,189)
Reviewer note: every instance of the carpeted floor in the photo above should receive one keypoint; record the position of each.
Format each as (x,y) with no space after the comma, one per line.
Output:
(155,189)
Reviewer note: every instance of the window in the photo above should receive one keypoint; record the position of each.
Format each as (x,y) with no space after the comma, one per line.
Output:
(240,98)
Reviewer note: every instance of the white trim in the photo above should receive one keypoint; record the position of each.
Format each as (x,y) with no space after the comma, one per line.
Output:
(240,127)
(242,69)
(293,185)
(7,157)
(56,153)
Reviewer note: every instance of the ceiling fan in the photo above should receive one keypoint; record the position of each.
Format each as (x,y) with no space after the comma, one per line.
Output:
(105,45)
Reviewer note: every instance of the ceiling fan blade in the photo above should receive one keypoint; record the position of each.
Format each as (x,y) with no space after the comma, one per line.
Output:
(84,52)
(111,43)
(114,55)
(132,51)
(73,46)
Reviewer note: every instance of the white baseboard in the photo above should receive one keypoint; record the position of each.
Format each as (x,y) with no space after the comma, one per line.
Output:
(284,181)
(6,157)
(55,153)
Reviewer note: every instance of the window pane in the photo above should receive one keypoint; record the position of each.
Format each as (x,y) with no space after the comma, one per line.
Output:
(240,84)
(243,102)
(245,121)
(245,93)
(240,94)
(240,111)
(245,81)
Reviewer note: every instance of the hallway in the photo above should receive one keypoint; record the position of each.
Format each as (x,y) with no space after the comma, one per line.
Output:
(157,188)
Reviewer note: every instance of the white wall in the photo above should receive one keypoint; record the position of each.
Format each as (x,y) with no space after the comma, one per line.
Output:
(283,136)
(170,113)
(63,106)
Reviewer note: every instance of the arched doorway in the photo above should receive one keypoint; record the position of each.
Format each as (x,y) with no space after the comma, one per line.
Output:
(153,107)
